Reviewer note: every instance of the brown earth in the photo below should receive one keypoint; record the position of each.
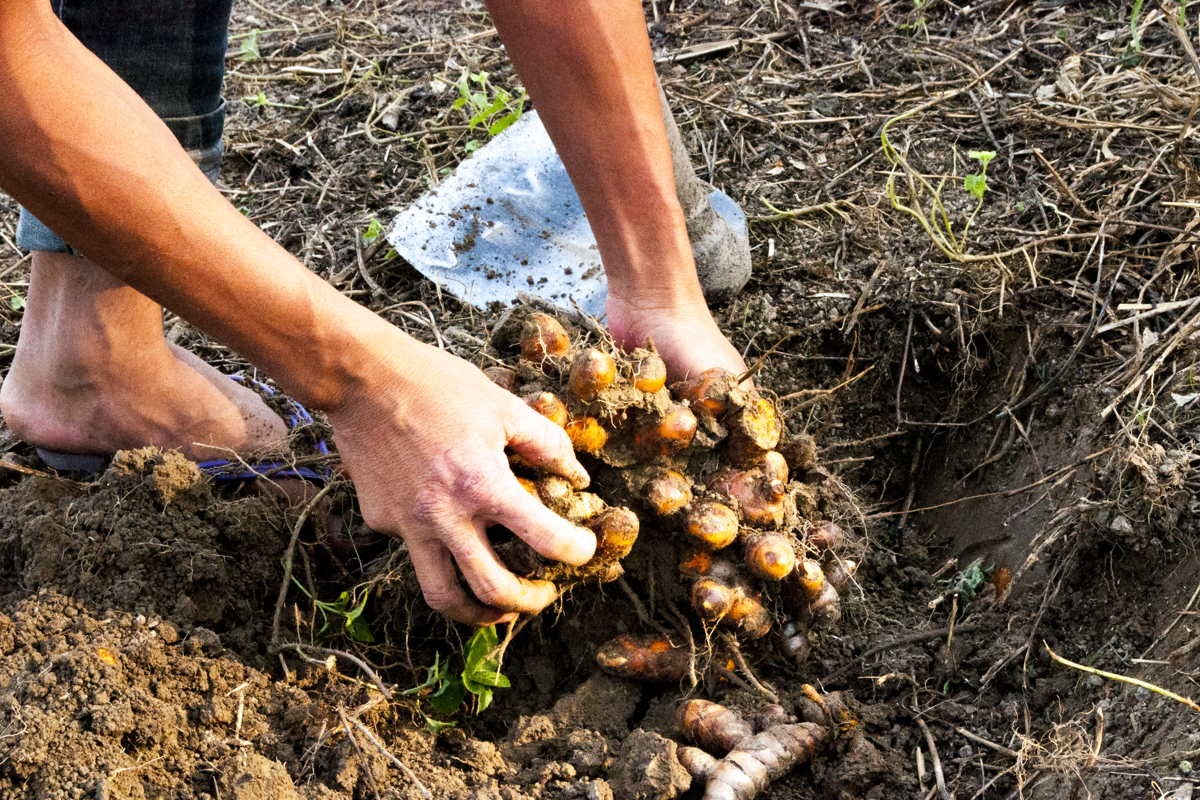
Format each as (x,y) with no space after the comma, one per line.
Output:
(964,394)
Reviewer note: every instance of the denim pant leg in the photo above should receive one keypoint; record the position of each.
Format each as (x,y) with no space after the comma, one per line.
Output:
(172,53)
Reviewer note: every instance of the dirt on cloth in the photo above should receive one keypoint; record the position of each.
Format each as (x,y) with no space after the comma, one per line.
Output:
(996,353)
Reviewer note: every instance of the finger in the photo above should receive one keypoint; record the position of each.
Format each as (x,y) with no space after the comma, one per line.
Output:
(442,590)
(490,581)
(543,444)
(539,527)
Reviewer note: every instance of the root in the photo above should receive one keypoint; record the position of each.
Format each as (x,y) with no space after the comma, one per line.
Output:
(753,760)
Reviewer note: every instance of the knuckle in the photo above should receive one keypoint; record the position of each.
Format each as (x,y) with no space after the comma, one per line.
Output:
(493,592)
(475,485)
(440,600)
(428,505)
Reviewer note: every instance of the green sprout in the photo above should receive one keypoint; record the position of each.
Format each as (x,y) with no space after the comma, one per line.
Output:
(349,608)
(372,234)
(1135,36)
(967,583)
(374,231)
(976,183)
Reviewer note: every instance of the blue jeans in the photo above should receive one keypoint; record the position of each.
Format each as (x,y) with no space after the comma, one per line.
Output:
(172,52)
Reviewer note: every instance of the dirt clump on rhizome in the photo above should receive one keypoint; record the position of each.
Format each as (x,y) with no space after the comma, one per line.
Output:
(974,236)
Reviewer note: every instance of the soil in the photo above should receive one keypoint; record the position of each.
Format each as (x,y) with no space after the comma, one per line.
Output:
(1023,450)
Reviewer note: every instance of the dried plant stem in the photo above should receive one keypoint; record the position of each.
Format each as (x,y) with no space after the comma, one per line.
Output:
(1113,676)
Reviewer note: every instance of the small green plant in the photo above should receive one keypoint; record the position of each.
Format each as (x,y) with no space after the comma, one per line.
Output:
(976,183)
(248,50)
(918,23)
(488,106)
(967,583)
(1135,35)
(261,100)
(921,198)
(373,231)
(347,610)
(446,691)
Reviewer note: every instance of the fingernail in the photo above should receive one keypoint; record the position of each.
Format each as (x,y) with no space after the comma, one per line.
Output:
(579,478)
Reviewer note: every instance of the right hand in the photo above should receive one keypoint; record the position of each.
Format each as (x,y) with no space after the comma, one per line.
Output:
(423,439)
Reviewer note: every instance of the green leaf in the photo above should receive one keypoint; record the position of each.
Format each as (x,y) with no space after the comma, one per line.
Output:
(436,726)
(249,50)
(481,644)
(16,302)
(976,185)
(984,157)
(434,675)
(503,122)
(481,669)
(483,699)
(448,698)
(374,231)
(359,630)
(472,146)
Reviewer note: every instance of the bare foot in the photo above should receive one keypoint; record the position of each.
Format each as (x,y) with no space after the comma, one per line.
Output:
(166,397)
(686,335)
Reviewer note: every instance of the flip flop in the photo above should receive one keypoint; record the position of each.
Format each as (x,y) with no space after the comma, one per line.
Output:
(221,470)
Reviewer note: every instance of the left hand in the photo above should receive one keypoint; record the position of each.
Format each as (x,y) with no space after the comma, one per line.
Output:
(683,331)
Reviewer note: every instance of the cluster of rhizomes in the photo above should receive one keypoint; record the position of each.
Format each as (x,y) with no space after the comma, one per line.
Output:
(704,458)
(754,750)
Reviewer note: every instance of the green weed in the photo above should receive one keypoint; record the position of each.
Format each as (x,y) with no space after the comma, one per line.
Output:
(1135,16)
(373,231)
(967,583)
(446,691)
(371,234)
(261,100)
(923,198)
(976,183)
(488,107)
(346,612)
(248,49)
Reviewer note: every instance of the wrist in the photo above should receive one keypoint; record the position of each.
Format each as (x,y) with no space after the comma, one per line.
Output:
(663,290)
(357,357)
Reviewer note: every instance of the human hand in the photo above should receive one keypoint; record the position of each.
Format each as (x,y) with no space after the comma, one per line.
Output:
(424,443)
(683,331)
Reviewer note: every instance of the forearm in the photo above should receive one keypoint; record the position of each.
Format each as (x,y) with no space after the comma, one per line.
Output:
(87,156)
(588,66)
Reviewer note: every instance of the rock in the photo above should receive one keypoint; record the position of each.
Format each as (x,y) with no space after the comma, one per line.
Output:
(647,768)
(250,776)
(588,751)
